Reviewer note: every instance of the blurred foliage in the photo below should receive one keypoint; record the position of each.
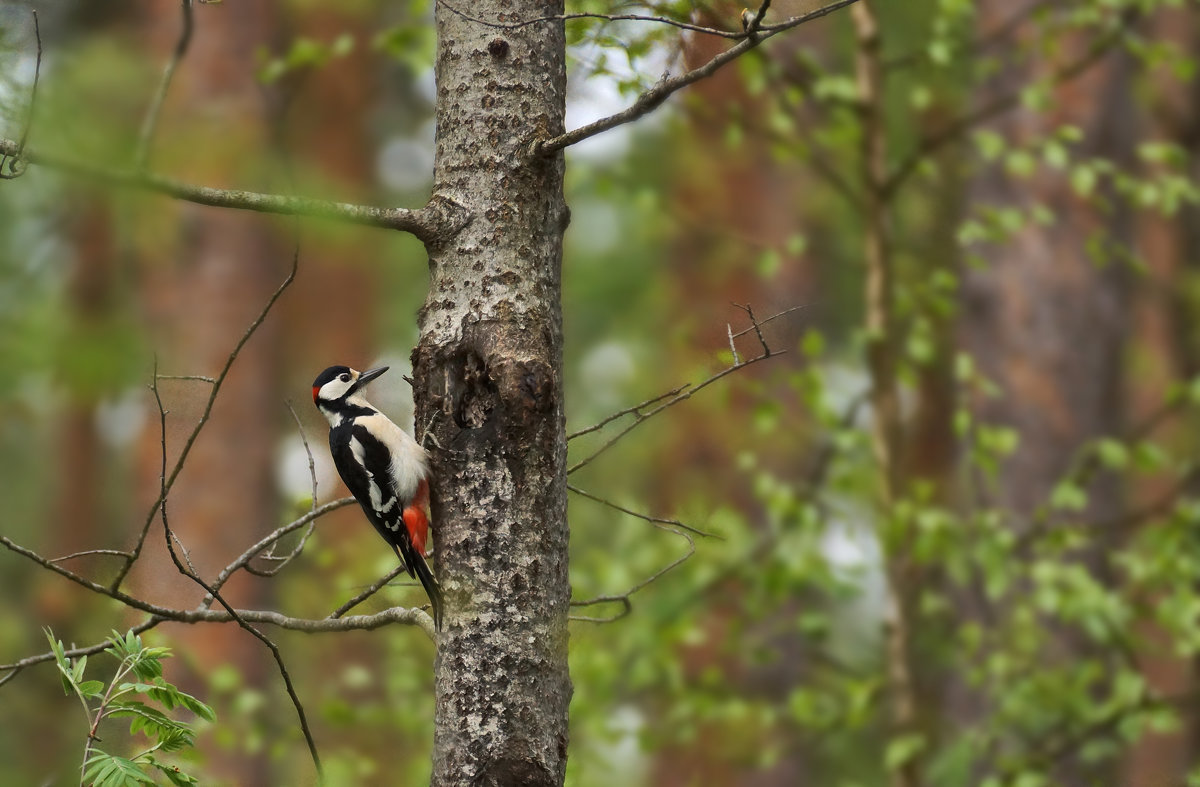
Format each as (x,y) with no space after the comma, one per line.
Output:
(768,646)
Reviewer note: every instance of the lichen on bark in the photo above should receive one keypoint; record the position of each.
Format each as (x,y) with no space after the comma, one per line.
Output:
(488,387)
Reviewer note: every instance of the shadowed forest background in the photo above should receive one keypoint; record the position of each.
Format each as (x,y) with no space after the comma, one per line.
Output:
(954,516)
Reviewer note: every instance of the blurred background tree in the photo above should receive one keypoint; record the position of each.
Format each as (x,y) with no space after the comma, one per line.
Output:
(957,517)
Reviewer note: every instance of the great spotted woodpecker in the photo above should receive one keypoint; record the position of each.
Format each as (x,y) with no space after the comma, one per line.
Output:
(385,469)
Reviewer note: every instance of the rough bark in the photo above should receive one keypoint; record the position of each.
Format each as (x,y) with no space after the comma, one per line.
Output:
(488,387)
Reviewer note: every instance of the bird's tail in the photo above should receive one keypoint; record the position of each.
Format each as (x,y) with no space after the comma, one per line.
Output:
(417,566)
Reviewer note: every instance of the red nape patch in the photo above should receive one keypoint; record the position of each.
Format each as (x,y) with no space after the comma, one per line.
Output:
(315,391)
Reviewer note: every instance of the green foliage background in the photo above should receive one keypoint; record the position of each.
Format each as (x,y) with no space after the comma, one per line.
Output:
(763,658)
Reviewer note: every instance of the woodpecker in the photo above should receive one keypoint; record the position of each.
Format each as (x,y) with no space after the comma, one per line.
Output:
(385,469)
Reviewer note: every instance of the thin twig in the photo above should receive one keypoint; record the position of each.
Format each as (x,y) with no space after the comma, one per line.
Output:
(664,20)
(408,616)
(757,328)
(12,163)
(169,482)
(776,316)
(200,378)
(242,560)
(282,560)
(687,393)
(654,520)
(624,598)
(755,21)
(150,123)
(679,393)
(370,591)
(665,88)
(635,410)
(74,653)
(189,571)
(171,539)
(95,587)
(88,552)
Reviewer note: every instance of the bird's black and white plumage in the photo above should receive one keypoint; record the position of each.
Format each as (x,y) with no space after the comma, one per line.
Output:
(385,469)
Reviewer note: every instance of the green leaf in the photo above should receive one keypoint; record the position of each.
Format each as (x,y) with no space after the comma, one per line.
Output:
(1068,497)
(77,669)
(171,697)
(990,144)
(173,774)
(902,749)
(152,722)
(60,658)
(106,770)
(1112,454)
(91,688)
(1083,180)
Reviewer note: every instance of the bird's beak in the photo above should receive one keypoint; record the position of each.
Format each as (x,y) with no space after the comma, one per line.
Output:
(368,376)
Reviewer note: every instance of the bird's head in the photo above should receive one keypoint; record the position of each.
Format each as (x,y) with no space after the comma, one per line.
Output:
(340,385)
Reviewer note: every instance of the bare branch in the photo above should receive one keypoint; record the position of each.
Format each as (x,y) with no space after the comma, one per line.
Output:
(150,123)
(13,163)
(635,410)
(189,570)
(95,587)
(684,394)
(756,328)
(88,552)
(409,616)
(370,591)
(439,217)
(654,520)
(282,560)
(73,653)
(776,316)
(200,378)
(624,598)
(271,538)
(664,20)
(665,88)
(754,21)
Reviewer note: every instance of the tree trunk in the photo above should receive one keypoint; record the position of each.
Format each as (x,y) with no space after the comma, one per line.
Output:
(488,387)
(1166,322)
(1047,321)
(218,271)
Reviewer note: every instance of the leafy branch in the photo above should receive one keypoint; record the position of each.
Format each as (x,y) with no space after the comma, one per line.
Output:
(139,673)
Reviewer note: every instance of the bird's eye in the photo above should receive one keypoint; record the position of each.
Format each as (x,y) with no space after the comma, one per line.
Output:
(344,378)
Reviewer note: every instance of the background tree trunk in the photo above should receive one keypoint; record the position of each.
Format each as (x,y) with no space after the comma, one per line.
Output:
(219,269)
(1047,318)
(489,387)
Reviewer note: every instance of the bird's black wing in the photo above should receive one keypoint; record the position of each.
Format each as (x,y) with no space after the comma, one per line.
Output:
(376,493)
(369,487)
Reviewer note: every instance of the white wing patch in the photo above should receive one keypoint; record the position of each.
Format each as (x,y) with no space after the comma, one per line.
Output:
(380,505)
